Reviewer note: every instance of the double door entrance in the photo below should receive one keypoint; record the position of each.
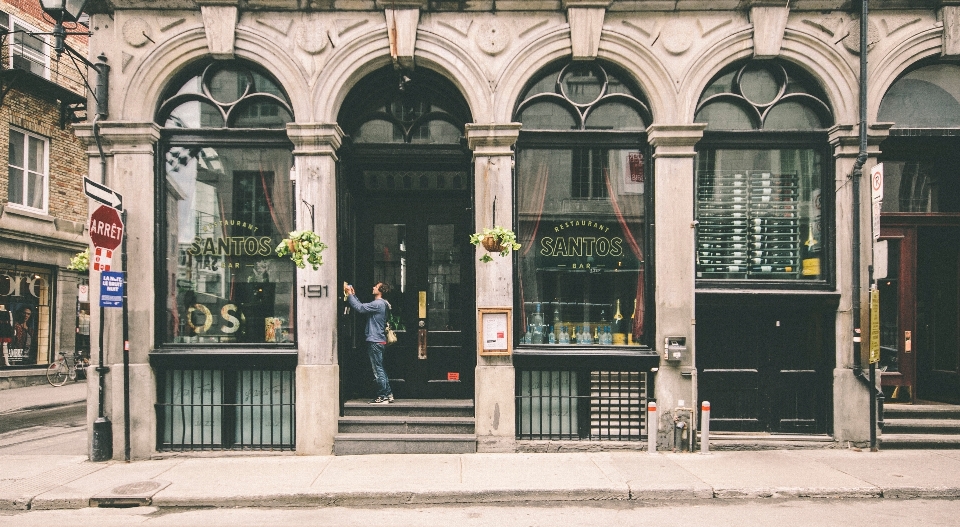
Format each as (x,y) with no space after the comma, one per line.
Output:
(411,230)
(920,308)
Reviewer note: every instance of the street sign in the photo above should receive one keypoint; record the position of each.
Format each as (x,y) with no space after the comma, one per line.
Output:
(111,289)
(106,227)
(102,259)
(102,193)
(876,182)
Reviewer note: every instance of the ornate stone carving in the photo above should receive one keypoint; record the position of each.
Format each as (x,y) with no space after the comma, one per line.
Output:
(951,30)
(280,24)
(136,32)
(492,37)
(460,25)
(852,40)
(676,36)
(402,33)
(312,36)
(168,23)
(586,26)
(220,25)
(768,26)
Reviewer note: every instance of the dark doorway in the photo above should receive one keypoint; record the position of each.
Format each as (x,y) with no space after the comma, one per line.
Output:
(765,363)
(405,215)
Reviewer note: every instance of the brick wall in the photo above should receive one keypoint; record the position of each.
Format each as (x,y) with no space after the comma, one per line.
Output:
(20,109)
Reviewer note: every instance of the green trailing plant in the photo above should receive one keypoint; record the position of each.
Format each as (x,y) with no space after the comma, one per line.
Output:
(80,261)
(303,247)
(497,239)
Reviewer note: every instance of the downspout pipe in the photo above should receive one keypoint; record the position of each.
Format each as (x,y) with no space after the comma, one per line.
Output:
(869,381)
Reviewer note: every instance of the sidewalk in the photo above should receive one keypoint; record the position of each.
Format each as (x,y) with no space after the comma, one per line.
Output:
(252,480)
(67,482)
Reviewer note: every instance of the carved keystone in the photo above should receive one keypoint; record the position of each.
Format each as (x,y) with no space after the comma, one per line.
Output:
(220,25)
(768,26)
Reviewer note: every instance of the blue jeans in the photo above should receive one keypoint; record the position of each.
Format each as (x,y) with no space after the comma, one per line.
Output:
(375,350)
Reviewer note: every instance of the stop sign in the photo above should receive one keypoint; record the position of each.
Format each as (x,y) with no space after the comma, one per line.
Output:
(106,227)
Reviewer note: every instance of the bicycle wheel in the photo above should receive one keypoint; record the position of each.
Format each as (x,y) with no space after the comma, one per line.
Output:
(57,373)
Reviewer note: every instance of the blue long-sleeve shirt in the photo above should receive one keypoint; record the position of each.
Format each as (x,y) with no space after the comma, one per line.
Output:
(377,319)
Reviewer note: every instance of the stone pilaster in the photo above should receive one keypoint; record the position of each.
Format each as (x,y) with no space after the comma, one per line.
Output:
(129,149)
(318,374)
(850,398)
(492,147)
(674,292)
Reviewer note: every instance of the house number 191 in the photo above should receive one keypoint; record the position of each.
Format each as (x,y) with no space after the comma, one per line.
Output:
(315,291)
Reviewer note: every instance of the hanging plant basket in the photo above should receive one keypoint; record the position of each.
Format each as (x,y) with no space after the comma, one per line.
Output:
(495,240)
(303,247)
(492,244)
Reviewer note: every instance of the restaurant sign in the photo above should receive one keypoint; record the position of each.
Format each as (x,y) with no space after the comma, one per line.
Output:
(584,245)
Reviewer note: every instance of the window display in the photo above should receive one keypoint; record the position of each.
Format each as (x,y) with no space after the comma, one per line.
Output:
(24,315)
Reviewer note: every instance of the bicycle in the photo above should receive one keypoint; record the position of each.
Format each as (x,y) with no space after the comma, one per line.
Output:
(65,368)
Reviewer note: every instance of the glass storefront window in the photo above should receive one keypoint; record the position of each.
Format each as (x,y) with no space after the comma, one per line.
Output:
(581,215)
(760,175)
(580,209)
(226,211)
(25,316)
(759,214)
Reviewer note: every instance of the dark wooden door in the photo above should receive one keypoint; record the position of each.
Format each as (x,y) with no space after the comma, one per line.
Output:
(764,365)
(425,254)
(938,314)
(897,366)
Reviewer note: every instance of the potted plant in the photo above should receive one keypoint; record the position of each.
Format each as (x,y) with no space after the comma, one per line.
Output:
(303,247)
(80,261)
(496,240)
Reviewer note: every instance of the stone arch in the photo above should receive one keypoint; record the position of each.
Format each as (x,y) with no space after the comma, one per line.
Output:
(835,75)
(642,66)
(158,68)
(371,52)
(892,65)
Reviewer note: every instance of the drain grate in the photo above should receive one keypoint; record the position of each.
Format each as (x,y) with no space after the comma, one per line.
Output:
(129,495)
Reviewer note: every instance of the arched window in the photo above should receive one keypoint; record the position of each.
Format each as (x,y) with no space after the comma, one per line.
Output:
(920,157)
(581,173)
(762,168)
(404,107)
(227,201)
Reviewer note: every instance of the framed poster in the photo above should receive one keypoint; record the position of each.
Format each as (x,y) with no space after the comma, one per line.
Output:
(494,333)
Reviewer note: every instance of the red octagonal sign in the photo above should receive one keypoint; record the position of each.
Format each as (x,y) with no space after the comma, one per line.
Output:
(106,228)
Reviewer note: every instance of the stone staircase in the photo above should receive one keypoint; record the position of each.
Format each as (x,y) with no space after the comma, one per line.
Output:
(407,426)
(920,426)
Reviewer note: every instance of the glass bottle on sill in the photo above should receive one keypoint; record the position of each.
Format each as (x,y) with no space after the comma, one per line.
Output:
(564,335)
(633,319)
(619,336)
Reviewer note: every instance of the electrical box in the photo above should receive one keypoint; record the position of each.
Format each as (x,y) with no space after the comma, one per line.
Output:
(675,349)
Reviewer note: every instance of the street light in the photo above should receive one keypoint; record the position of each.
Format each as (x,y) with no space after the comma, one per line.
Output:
(62,11)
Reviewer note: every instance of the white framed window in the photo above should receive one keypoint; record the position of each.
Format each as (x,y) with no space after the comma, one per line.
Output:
(27,52)
(28,170)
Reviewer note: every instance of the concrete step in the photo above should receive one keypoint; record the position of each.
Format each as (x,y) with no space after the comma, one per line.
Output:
(921,426)
(903,441)
(411,408)
(731,441)
(920,411)
(359,444)
(378,424)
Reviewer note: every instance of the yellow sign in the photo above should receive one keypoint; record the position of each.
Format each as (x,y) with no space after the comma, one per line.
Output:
(874,325)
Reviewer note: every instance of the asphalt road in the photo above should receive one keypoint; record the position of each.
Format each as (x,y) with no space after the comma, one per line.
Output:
(60,429)
(714,513)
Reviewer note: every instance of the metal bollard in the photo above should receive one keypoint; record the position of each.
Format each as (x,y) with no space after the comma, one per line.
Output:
(653,425)
(705,427)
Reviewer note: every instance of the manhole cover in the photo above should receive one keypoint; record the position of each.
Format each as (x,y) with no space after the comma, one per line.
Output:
(140,487)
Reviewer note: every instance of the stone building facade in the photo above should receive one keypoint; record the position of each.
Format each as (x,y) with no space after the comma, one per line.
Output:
(678,175)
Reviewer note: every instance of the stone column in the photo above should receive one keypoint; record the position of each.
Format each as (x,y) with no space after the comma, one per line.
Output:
(318,374)
(675,261)
(129,148)
(851,401)
(495,378)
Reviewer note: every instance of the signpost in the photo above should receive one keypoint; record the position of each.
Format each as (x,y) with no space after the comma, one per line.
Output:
(106,233)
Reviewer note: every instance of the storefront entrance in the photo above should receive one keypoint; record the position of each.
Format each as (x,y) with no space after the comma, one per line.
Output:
(920,309)
(412,231)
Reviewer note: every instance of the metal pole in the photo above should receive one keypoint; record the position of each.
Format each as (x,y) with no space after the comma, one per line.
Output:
(102,448)
(653,426)
(705,427)
(126,342)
